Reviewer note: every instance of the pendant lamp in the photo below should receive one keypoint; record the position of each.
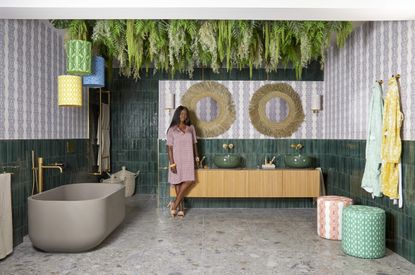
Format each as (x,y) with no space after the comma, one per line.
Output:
(78,57)
(69,91)
(97,78)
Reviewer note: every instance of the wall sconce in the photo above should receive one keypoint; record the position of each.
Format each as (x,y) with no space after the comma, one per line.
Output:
(316,103)
(169,101)
(69,91)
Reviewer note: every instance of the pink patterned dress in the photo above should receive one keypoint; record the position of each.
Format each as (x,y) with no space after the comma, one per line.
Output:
(183,154)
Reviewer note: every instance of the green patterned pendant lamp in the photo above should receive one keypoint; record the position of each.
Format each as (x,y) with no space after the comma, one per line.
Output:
(78,57)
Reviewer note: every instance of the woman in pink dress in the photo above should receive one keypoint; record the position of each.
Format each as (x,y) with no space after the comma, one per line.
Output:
(183,156)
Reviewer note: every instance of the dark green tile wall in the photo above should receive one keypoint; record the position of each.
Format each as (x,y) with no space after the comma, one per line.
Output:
(343,165)
(134,116)
(18,153)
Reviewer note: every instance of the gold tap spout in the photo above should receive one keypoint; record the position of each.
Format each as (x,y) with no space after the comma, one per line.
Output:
(53,167)
(40,171)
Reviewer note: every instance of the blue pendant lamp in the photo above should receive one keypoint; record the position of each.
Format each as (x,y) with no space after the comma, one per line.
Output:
(97,78)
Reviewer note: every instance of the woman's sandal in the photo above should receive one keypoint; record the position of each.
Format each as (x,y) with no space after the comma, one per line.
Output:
(173,212)
(180,213)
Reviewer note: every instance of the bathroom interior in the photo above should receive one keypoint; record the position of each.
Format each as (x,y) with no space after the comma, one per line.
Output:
(282,106)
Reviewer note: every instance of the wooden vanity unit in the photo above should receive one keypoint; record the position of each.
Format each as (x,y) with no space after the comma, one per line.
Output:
(249,183)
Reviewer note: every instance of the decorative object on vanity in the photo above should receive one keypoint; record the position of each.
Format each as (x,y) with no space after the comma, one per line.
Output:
(267,126)
(217,92)
(228,160)
(69,91)
(298,160)
(268,164)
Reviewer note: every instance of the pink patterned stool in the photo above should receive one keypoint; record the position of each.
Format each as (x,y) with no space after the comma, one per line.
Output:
(329,216)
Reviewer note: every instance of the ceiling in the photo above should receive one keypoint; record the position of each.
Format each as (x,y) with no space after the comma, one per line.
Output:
(350,10)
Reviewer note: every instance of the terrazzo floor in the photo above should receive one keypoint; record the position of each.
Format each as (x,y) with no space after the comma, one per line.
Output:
(207,241)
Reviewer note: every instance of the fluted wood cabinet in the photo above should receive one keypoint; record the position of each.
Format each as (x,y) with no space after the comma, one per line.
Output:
(234,183)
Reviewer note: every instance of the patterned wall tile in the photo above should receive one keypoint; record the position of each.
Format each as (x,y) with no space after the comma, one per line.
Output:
(31,57)
(375,50)
(242,92)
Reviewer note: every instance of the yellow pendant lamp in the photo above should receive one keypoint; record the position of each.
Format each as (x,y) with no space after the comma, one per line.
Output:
(69,91)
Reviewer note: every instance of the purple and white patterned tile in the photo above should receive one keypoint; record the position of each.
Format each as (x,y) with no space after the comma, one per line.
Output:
(241,92)
(31,57)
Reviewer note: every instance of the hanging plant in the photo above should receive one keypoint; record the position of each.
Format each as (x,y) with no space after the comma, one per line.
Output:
(209,45)
(273,35)
(78,30)
(226,41)
(255,49)
(181,45)
(111,34)
(158,45)
(243,33)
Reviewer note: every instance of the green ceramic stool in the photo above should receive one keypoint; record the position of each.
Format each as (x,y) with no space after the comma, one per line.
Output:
(363,231)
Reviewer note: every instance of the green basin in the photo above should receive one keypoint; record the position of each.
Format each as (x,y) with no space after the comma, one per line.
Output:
(227,161)
(298,161)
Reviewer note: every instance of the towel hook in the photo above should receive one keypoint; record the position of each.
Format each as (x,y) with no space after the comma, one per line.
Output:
(397,76)
(380,81)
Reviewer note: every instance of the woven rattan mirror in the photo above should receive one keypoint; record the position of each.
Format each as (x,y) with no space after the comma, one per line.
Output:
(225,109)
(267,126)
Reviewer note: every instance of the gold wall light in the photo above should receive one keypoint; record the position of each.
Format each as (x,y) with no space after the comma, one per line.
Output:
(69,91)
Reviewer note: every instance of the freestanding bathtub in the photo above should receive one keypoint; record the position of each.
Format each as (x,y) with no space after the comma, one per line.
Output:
(75,217)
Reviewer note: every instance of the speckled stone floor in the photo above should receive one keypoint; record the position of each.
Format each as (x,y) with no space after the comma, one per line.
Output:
(207,241)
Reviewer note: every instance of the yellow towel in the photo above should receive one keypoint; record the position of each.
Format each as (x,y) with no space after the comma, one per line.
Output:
(391,141)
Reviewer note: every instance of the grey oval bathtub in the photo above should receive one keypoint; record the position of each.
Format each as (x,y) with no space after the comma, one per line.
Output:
(75,217)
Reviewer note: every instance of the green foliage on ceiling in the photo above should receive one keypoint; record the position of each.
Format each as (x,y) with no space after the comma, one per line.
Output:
(182,45)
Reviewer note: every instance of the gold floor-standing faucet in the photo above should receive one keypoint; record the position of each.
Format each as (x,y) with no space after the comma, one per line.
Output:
(40,171)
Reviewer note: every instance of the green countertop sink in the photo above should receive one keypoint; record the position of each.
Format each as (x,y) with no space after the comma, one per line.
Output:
(298,161)
(227,160)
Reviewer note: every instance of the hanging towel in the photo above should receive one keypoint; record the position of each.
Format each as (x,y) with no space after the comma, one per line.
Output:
(371,180)
(104,141)
(391,141)
(6,226)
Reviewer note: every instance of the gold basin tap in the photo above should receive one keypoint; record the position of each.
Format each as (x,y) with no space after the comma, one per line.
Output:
(41,166)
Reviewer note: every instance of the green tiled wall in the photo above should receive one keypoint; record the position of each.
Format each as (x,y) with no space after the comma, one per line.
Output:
(343,164)
(18,153)
(134,119)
